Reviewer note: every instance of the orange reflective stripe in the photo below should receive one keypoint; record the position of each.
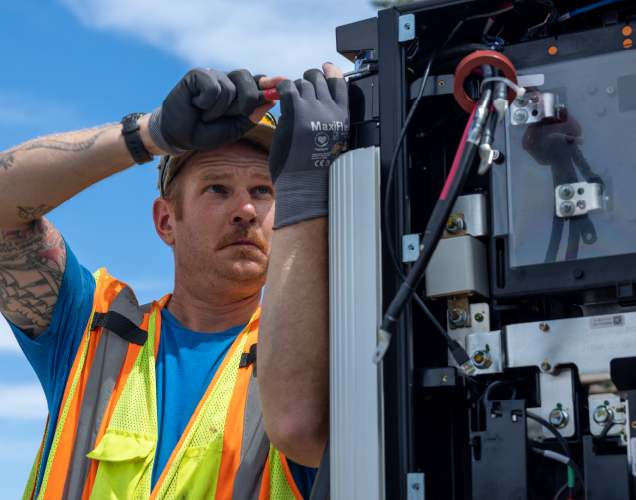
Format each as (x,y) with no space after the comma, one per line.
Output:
(290,478)
(264,493)
(218,373)
(133,352)
(231,457)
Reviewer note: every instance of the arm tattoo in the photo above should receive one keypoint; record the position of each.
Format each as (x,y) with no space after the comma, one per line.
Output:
(7,159)
(32,263)
(31,213)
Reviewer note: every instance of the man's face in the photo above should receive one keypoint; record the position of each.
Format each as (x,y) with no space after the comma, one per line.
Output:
(222,243)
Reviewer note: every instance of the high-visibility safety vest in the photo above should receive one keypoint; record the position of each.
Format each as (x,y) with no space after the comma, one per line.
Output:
(106,434)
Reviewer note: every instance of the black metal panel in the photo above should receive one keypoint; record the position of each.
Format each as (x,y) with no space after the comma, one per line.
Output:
(606,476)
(500,452)
(397,362)
(362,35)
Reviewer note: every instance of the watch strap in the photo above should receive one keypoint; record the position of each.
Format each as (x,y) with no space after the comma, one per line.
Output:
(135,145)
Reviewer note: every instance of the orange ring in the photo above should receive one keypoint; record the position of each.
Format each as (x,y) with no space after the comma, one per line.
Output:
(473,60)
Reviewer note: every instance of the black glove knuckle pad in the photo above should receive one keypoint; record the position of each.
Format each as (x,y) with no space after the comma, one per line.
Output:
(246,89)
(192,114)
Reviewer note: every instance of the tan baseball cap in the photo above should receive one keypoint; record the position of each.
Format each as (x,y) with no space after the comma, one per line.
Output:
(262,134)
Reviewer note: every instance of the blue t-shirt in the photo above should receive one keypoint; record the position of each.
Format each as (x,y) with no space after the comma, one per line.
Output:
(190,358)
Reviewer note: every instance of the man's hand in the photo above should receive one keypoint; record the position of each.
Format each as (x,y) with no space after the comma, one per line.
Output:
(195,113)
(310,135)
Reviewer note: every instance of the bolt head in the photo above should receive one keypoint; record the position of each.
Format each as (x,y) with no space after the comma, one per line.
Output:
(581,204)
(479,317)
(567,207)
(566,191)
(558,418)
(457,316)
(544,327)
(545,366)
(602,415)
(520,115)
(407,26)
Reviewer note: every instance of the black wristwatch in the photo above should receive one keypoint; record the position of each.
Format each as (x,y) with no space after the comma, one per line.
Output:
(133,138)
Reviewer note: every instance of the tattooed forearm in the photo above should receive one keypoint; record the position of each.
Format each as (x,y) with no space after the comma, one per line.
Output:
(7,159)
(31,213)
(32,263)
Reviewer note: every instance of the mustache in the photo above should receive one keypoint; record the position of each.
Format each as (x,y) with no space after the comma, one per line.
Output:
(243,233)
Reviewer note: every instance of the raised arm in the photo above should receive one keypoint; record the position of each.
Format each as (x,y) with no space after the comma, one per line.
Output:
(36,177)
(41,174)
(293,352)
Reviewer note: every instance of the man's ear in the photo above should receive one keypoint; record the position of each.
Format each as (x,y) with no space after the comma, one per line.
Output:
(164,218)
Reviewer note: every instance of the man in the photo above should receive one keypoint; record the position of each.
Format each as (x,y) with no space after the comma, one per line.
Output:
(162,401)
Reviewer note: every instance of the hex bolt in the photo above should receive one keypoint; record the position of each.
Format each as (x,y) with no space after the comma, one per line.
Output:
(602,415)
(520,115)
(558,417)
(544,327)
(545,366)
(454,225)
(567,207)
(581,204)
(481,360)
(479,317)
(566,191)
(457,317)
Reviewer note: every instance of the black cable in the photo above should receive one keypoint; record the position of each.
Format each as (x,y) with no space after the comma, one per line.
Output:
(558,494)
(601,438)
(557,457)
(554,431)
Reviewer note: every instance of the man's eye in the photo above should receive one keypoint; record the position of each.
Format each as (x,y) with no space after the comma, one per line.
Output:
(262,190)
(217,189)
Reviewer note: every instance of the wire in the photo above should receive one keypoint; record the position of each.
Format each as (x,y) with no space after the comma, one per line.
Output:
(583,10)
(490,14)
(558,494)
(601,438)
(519,90)
(553,430)
(557,457)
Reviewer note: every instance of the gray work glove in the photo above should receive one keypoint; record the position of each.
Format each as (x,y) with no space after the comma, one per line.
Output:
(310,135)
(194,116)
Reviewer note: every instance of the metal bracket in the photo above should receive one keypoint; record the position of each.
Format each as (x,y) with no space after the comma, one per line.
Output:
(415,485)
(578,198)
(410,247)
(406,28)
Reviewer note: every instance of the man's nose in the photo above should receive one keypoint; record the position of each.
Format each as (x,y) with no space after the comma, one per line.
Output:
(245,211)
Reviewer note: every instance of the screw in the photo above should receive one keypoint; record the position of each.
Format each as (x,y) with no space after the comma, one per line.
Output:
(581,204)
(545,366)
(634,424)
(441,83)
(544,327)
(416,486)
(602,415)
(407,26)
(479,317)
(578,273)
(445,378)
(566,207)
(610,90)
(522,101)
(559,418)
(520,116)
(566,192)
(457,316)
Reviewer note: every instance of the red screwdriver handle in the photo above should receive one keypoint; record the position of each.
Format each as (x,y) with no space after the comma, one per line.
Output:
(271,95)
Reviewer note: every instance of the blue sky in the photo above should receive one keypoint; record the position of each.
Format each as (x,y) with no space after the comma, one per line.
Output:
(70,64)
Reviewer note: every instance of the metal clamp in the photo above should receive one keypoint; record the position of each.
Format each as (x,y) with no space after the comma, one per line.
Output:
(406,28)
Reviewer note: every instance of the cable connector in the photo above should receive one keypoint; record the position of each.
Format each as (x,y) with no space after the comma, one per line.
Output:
(461,356)
(383,344)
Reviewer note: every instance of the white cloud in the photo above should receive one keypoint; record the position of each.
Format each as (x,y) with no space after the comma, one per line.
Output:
(7,338)
(25,401)
(275,37)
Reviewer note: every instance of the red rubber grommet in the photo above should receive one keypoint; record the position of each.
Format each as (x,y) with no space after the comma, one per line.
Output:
(474,60)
